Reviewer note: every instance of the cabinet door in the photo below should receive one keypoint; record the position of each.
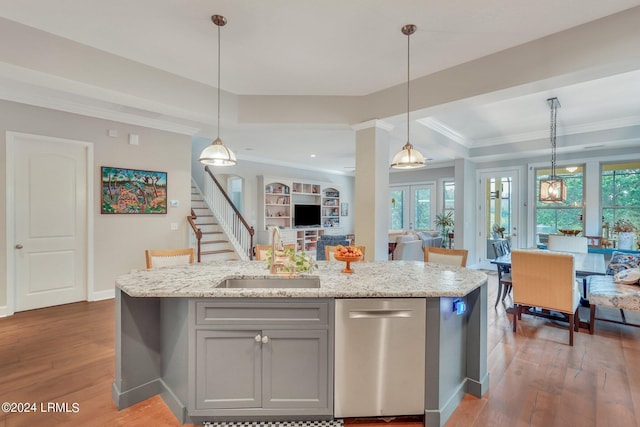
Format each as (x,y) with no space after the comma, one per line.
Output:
(295,369)
(228,369)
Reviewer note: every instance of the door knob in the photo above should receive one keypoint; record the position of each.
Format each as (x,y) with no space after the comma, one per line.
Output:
(265,339)
(258,338)
(19,246)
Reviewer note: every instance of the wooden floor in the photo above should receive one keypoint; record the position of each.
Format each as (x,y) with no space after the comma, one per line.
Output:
(65,355)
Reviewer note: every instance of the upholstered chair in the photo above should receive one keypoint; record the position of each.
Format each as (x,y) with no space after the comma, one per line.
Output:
(408,248)
(545,280)
(568,243)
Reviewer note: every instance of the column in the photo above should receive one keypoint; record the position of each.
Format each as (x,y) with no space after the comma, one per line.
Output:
(372,188)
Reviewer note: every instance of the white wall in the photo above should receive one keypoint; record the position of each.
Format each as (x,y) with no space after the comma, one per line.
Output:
(119,240)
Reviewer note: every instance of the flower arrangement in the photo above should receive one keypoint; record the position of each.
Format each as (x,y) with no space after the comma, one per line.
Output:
(624,226)
(292,262)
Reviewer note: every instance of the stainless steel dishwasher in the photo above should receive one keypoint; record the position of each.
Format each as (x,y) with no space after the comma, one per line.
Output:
(379,357)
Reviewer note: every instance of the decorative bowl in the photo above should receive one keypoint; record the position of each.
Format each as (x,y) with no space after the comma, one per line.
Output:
(570,232)
(348,260)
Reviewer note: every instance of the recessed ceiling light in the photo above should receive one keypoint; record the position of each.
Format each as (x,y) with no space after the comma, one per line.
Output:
(313,155)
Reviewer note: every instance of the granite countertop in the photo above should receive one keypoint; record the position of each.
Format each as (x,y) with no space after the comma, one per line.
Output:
(370,279)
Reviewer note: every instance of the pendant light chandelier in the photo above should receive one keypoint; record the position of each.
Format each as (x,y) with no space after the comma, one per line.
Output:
(217,154)
(408,157)
(553,189)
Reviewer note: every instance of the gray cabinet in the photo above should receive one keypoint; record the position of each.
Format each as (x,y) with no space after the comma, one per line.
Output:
(260,358)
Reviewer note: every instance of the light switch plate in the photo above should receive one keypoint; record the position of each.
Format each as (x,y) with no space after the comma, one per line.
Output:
(174,226)
(174,203)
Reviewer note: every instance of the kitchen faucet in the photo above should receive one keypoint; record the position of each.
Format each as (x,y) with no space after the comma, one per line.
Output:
(273,267)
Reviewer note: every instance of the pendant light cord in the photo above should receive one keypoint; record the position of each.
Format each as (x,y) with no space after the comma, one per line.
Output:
(554,115)
(218,82)
(408,80)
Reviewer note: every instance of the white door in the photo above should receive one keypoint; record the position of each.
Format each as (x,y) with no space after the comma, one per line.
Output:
(50,212)
(499,214)
(412,207)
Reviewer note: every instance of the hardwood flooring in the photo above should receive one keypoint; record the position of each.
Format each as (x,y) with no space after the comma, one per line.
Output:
(65,355)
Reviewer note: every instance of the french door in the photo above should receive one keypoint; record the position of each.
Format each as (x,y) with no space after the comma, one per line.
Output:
(498,200)
(413,207)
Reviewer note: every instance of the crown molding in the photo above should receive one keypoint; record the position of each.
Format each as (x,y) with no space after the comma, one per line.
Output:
(375,123)
(441,128)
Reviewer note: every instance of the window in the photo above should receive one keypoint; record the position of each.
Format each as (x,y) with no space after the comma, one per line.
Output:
(552,217)
(620,189)
(449,190)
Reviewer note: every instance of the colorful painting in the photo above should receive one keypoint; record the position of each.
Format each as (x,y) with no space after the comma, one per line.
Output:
(130,191)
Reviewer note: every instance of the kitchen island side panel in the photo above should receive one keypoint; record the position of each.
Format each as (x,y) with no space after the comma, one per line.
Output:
(137,349)
(477,371)
(455,354)
(174,325)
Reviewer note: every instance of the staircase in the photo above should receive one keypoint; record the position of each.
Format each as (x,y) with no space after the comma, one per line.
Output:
(214,244)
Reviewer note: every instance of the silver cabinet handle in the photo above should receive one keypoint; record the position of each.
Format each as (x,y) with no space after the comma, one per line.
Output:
(19,246)
(258,338)
(265,339)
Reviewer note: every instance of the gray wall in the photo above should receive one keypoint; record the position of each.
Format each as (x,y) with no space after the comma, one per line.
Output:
(119,240)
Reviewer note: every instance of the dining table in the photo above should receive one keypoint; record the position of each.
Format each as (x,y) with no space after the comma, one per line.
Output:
(586,264)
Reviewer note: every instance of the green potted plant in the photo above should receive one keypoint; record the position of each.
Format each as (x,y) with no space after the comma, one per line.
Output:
(444,222)
(290,262)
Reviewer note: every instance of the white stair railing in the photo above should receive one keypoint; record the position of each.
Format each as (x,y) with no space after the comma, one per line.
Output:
(231,221)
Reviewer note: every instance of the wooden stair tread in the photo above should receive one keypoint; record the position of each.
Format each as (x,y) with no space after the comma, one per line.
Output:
(219,251)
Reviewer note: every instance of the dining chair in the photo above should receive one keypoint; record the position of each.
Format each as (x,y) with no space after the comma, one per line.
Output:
(568,243)
(330,250)
(502,247)
(446,256)
(545,280)
(261,250)
(168,257)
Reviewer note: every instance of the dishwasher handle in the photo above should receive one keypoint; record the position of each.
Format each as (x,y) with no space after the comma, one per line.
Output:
(380,314)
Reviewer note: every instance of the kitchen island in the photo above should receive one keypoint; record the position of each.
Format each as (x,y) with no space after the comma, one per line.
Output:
(219,353)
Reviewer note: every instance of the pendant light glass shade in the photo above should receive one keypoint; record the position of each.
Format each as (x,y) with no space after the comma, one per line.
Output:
(408,157)
(217,154)
(554,189)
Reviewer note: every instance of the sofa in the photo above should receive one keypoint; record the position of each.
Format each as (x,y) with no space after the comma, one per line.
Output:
(410,245)
(329,240)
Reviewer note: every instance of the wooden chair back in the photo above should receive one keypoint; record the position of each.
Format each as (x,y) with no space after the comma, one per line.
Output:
(261,250)
(168,257)
(446,256)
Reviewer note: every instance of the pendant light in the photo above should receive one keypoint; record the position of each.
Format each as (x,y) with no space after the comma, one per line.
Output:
(553,189)
(217,154)
(408,157)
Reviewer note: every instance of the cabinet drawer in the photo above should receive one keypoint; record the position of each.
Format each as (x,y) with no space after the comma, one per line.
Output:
(311,314)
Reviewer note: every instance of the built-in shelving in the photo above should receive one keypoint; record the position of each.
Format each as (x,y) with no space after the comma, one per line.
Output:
(278,198)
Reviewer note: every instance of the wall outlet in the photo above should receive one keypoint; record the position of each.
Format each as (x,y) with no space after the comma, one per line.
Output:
(174,226)
(174,203)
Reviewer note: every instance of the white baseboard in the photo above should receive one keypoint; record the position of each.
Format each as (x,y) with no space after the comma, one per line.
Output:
(4,311)
(102,295)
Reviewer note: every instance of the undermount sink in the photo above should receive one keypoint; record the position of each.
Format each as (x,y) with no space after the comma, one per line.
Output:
(276,282)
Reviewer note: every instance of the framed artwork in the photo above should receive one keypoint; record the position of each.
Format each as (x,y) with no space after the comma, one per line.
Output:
(344,209)
(132,191)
